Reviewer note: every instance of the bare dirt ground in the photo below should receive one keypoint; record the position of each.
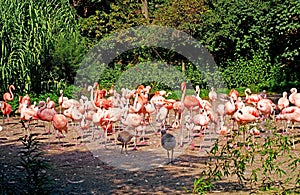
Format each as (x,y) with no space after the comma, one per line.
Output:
(80,169)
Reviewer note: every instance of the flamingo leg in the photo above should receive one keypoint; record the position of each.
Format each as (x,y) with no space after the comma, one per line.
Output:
(201,139)
(293,136)
(168,157)
(114,132)
(181,130)
(192,139)
(135,139)
(7,119)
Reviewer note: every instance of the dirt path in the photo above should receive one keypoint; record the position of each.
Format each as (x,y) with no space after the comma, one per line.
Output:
(93,169)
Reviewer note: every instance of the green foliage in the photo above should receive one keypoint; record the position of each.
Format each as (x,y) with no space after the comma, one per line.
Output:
(267,165)
(253,43)
(246,72)
(247,33)
(31,32)
(183,15)
(122,15)
(201,186)
(34,167)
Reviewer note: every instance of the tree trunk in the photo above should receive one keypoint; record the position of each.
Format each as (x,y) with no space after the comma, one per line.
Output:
(145,10)
(183,67)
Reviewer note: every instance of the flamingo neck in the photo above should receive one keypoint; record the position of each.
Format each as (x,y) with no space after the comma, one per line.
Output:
(183,93)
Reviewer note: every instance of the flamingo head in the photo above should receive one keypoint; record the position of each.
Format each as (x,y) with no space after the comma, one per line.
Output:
(197,89)
(248,91)
(12,87)
(90,88)
(41,104)
(284,94)
(293,90)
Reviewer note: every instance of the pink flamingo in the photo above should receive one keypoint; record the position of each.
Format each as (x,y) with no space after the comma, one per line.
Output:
(44,113)
(178,109)
(212,95)
(239,104)
(230,109)
(290,117)
(60,123)
(69,103)
(28,114)
(204,103)
(9,96)
(158,100)
(83,127)
(265,107)
(252,98)
(294,98)
(97,119)
(61,99)
(50,103)
(234,94)
(161,117)
(283,102)
(202,120)
(169,106)
(190,102)
(288,110)
(246,115)
(113,116)
(74,114)
(24,101)
(6,110)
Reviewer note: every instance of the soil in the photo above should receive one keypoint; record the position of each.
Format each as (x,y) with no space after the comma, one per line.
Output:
(89,167)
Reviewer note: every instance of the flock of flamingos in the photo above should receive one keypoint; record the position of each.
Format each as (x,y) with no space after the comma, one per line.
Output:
(135,110)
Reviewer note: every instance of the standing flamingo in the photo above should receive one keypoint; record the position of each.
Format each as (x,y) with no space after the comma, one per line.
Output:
(212,95)
(6,110)
(252,98)
(45,114)
(202,120)
(76,117)
(61,99)
(132,120)
(60,123)
(290,117)
(294,98)
(230,109)
(178,109)
(189,102)
(234,94)
(246,115)
(283,102)
(27,114)
(9,96)
(204,103)
(50,103)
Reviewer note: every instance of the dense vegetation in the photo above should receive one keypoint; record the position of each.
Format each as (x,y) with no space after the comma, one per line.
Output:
(255,44)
